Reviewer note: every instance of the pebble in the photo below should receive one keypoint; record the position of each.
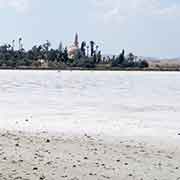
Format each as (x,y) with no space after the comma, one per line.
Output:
(47,141)
(42,178)
(35,168)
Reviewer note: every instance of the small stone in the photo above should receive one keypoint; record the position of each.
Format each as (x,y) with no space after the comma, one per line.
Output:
(17,145)
(130,175)
(125,164)
(118,160)
(48,141)
(18,178)
(42,178)
(65,176)
(35,169)
(85,158)
(49,163)
(87,136)
(169,157)
(106,177)
(142,150)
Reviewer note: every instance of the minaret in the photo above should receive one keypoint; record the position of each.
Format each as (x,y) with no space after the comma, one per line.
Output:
(76,42)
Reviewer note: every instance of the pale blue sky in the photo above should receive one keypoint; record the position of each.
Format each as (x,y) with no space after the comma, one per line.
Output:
(145,27)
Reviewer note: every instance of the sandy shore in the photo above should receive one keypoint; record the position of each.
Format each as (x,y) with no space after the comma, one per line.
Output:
(42,156)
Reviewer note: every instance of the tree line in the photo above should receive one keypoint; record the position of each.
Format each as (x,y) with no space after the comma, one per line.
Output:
(87,56)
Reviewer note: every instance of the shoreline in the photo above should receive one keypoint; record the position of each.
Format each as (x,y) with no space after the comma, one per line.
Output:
(96,69)
(44,156)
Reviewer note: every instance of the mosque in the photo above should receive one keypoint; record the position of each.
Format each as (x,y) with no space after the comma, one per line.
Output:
(74,49)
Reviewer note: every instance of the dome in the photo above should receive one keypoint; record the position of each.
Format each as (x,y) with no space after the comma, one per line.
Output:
(72,51)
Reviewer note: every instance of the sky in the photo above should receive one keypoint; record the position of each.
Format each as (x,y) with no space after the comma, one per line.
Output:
(148,28)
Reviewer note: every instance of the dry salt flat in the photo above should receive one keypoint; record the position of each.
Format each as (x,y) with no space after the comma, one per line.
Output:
(43,156)
(89,125)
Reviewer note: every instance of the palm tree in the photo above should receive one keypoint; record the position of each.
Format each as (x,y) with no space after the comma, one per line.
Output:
(92,43)
(131,57)
(87,51)
(46,46)
(97,49)
(13,45)
(20,44)
(83,50)
(65,55)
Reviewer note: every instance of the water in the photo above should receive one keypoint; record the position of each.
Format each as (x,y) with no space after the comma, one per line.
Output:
(114,103)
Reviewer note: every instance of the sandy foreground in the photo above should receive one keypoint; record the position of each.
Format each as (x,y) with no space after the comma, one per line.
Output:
(42,156)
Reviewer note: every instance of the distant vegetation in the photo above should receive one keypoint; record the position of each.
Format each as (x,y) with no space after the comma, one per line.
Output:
(129,61)
(43,56)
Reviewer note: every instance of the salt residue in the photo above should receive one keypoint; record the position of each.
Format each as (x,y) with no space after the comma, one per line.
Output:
(110,103)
